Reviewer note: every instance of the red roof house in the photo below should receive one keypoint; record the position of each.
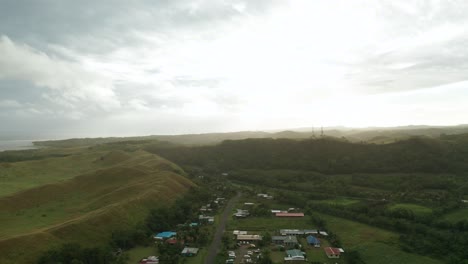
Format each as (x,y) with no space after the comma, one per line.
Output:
(290,214)
(332,252)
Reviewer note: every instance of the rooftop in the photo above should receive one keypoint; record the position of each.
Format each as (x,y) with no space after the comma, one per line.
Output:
(290,214)
(332,251)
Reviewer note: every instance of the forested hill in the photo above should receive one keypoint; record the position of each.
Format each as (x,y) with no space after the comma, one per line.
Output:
(327,155)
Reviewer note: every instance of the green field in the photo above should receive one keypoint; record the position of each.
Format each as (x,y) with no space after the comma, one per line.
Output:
(136,254)
(339,201)
(80,198)
(458,215)
(417,209)
(317,254)
(374,244)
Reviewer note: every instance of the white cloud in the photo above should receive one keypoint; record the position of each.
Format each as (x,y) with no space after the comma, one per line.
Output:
(68,83)
(249,64)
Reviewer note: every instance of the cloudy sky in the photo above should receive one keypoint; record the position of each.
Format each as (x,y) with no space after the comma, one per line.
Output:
(118,67)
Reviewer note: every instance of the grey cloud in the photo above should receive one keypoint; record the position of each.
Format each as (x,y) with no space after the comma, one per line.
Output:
(112,21)
(66,81)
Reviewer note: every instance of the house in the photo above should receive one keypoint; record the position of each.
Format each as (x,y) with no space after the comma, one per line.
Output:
(294,232)
(238,232)
(150,260)
(286,241)
(206,219)
(189,252)
(333,252)
(173,241)
(241,213)
(220,200)
(248,239)
(264,195)
(289,214)
(298,232)
(323,233)
(313,241)
(165,235)
(206,208)
(294,255)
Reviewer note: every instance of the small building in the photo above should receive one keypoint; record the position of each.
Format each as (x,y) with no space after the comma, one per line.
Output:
(241,213)
(249,204)
(174,241)
(313,241)
(238,232)
(264,195)
(295,255)
(189,252)
(289,214)
(248,239)
(150,260)
(286,241)
(298,232)
(332,252)
(206,219)
(165,235)
(323,233)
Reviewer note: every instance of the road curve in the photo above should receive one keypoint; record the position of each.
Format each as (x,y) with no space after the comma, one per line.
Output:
(215,245)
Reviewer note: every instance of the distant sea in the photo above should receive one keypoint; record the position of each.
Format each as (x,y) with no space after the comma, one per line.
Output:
(16,144)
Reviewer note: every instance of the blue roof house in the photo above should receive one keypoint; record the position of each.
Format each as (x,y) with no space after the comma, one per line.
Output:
(165,235)
(311,240)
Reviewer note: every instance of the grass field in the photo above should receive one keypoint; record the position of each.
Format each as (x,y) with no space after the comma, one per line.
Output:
(374,244)
(458,215)
(339,201)
(136,254)
(417,209)
(116,192)
(317,254)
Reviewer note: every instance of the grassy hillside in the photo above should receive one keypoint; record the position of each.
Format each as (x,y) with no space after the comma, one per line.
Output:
(87,195)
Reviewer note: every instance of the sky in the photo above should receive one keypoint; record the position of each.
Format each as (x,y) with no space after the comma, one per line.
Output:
(120,68)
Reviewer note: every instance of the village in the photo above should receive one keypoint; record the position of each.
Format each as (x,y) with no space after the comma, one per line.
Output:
(254,234)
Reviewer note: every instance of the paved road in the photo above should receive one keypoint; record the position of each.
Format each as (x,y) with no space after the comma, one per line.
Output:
(216,244)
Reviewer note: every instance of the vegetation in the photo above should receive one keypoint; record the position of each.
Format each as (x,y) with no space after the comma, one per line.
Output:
(82,198)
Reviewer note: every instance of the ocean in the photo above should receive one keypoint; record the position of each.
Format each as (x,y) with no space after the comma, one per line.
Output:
(16,144)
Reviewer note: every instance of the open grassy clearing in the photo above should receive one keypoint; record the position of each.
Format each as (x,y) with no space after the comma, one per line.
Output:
(375,245)
(198,259)
(317,254)
(458,215)
(136,254)
(417,209)
(339,201)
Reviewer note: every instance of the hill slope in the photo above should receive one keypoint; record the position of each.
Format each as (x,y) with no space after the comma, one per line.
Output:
(88,207)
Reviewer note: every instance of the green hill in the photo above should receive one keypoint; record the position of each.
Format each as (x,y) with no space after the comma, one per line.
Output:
(325,155)
(112,191)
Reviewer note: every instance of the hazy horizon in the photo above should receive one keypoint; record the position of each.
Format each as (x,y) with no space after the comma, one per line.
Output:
(119,68)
